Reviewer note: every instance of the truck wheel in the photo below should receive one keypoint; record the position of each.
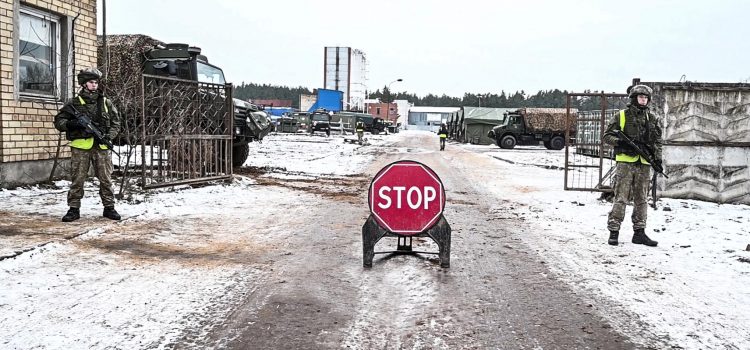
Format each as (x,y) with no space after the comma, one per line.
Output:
(557,143)
(239,154)
(508,142)
(547,145)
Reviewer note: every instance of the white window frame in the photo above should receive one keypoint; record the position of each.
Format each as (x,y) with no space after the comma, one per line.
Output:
(56,48)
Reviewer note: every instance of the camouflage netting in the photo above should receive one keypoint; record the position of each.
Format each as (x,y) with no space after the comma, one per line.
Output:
(549,119)
(122,69)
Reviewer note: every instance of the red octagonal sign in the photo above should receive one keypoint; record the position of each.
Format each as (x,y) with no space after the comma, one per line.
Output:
(406,197)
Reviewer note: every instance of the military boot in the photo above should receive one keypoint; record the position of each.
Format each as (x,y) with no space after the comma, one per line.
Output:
(639,237)
(111,213)
(73,214)
(613,237)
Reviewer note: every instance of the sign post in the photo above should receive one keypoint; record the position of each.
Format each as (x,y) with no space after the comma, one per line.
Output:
(406,200)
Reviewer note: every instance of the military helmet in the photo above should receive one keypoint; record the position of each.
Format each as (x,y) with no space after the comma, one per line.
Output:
(641,90)
(87,74)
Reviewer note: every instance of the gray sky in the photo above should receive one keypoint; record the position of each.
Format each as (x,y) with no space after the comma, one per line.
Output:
(454,47)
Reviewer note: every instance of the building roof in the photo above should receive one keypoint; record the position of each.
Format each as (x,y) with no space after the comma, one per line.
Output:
(424,109)
(485,113)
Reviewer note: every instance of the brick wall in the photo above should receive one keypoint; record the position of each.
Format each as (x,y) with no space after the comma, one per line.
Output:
(372,108)
(27,132)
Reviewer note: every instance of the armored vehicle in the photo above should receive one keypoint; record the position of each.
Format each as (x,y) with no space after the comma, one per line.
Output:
(133,55)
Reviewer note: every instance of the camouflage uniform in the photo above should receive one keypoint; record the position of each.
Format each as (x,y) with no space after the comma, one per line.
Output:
(631,180)
(107,120)
(360,128)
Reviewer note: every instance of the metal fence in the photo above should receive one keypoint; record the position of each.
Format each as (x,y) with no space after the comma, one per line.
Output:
(589,164)
(185,131)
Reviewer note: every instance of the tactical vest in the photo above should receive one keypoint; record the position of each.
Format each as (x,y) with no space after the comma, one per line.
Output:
(622,157)
(88,142)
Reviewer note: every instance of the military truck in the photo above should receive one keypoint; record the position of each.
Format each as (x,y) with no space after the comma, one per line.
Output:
(529,126)
(320,120)
(303,120)
(131,56)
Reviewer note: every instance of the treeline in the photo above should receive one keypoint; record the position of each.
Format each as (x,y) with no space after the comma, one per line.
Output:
(267,92)
(543,98)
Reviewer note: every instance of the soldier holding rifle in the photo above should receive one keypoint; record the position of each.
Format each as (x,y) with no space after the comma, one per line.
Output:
(637,137)
(90,121)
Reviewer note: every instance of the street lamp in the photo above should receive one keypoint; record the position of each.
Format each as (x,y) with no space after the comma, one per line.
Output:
(388,100)
(479,96)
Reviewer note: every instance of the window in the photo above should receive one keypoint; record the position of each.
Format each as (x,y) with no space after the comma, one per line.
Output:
(377,110)
(210,74)
(38,54)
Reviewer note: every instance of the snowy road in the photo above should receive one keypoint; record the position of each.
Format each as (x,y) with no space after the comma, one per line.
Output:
(274,260)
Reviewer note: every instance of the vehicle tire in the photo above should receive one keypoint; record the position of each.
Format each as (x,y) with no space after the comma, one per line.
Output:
(547,145)
(239,154)
(557,143)
(328,132)
(508,142)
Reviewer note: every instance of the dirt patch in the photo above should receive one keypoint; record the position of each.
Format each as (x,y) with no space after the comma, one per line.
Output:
(38,225)
(143,242)
(340,188)
(526,189)
(460,201)
(145,251)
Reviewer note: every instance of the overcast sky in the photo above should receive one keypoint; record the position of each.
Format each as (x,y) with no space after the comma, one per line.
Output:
(454,47)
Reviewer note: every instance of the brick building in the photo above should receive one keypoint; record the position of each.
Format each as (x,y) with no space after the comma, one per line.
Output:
(273,103)
(381,110)
(38,63)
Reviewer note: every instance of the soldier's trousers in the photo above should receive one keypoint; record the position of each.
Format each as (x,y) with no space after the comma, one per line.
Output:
(360,134)
(442,143)
(630,182)
(80,161)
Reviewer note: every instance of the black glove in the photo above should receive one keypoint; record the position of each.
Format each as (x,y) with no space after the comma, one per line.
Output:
(73,124)
(623,144)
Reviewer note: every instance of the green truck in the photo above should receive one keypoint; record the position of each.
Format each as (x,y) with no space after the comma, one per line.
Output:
(530,126)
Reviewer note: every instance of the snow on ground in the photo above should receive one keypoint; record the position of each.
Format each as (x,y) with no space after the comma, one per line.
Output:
(317,154)
(142,282)
(692,289)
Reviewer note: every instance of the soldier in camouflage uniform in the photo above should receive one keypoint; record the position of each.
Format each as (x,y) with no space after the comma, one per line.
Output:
(631,178)
(85,149)
(360,128)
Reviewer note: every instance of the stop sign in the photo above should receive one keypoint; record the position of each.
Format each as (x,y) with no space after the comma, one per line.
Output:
(406,197)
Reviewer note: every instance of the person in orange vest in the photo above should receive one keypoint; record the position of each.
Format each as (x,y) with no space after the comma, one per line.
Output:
(443,133)
(84,147)
(632,174)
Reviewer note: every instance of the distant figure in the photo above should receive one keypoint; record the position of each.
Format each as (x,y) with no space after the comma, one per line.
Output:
(85,149)
(443,133)
(631,178)
(360,128)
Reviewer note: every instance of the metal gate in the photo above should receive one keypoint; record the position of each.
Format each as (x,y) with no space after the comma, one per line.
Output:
(186,131)
(589,163)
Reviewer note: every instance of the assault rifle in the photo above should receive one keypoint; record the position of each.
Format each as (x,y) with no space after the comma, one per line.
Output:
(646,155)
(85,121)
(643,152)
